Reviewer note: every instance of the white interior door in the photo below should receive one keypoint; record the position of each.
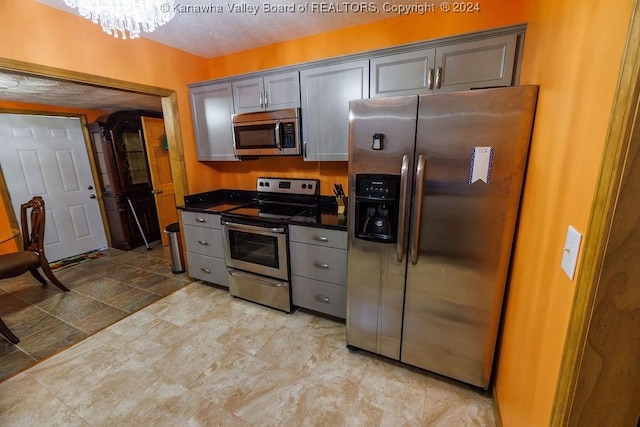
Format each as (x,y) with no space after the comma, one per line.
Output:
(47,156)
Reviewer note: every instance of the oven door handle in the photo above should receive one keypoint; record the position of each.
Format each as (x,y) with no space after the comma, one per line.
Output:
(259,279)
(244,227)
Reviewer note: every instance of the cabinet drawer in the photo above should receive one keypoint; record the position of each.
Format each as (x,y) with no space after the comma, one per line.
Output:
(326,264)
(318,236)
(204,241)
(319,296)
(207,268)
(201,219)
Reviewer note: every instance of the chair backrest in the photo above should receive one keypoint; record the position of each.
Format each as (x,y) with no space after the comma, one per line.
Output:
(34,240)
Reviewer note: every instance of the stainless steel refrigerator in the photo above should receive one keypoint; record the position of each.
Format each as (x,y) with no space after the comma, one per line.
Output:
(434,184)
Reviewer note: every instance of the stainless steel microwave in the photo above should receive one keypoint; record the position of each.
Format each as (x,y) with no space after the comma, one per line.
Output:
(268,133)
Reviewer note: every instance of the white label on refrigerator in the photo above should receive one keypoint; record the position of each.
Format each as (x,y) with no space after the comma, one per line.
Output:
(481,161)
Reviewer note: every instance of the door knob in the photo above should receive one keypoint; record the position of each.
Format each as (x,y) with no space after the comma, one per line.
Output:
(90,187)
(93,196)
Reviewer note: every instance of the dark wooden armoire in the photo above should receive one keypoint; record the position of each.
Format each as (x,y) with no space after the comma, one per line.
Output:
(119,149)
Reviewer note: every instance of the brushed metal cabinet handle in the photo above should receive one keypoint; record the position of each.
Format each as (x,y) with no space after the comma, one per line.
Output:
(320,238)
(203,243)
(206,270)
(322,298)
(438,77)
(201,220)
(321,265)
(430,79)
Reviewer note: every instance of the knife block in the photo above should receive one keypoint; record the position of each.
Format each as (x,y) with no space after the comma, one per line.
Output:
(341,207)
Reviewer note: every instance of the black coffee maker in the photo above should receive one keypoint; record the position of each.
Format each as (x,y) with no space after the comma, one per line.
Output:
(377,207)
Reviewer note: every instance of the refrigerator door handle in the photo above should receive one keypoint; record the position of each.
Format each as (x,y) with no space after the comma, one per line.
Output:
(415,242)
(404,172)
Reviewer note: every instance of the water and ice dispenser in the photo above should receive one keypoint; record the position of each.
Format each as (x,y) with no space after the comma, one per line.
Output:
(377,205)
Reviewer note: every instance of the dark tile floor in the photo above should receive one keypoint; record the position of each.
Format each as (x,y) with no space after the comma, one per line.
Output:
(103,291)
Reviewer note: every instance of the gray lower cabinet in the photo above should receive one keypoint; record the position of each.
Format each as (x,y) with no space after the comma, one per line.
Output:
(325,94)
(476,64)
(204,247)
(319,269)
(212,108)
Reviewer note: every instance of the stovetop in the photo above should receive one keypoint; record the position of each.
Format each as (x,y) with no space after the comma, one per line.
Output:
(265,210)
(278,199)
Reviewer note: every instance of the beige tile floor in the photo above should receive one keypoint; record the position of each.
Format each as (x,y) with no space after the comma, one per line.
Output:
(103,291)
(199,357)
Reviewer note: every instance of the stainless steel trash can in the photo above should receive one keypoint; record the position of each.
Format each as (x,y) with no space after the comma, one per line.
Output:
(175,248)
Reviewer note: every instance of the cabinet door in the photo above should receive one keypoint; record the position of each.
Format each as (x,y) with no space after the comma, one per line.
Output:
(477,64)
(248,95)
(407,73)
(326,92)
(282,91)
(212,107)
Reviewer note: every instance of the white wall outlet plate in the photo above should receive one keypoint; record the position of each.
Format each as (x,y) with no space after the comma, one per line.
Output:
(570,252)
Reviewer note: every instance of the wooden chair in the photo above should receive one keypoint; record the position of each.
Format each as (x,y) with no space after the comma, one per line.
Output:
(31,257)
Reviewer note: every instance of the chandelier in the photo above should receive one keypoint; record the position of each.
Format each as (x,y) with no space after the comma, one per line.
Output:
(117,17)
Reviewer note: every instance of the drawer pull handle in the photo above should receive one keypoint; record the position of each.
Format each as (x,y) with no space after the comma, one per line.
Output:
(320,238)
(322,298)
(203,243)
(201,220)
(321,265)
(206,270)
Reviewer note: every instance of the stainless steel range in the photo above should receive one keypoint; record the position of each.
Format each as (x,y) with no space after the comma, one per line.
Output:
(256,240)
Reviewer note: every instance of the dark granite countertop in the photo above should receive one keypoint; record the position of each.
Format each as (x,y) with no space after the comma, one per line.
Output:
(219,201)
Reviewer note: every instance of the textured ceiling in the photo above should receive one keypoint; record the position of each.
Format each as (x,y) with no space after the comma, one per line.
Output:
(208,29)
(213,28)
(25,88)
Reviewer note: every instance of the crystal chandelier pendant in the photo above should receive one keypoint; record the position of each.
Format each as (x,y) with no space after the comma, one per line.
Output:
(125,17)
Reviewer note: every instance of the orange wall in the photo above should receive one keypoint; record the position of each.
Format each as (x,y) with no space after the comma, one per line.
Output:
(38,34)
(573,50)
(390,32)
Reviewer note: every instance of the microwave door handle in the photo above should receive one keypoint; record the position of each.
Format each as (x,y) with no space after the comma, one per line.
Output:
(278,143)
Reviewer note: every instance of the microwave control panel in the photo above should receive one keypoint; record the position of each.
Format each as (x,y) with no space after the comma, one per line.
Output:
(288,135)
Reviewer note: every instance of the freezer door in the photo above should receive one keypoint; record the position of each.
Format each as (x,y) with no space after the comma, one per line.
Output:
(473,147)
(376,271)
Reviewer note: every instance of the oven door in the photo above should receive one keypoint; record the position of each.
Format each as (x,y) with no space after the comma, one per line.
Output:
(256,248)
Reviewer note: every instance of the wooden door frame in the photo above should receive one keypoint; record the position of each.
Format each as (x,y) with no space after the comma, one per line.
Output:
(170,112)
(584,388)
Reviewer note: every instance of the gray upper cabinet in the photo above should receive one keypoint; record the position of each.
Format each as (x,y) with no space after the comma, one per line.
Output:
(402,74)
(323,89)
(272,92)
(212,107)
(477,64)
(326,92)
(462,66)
